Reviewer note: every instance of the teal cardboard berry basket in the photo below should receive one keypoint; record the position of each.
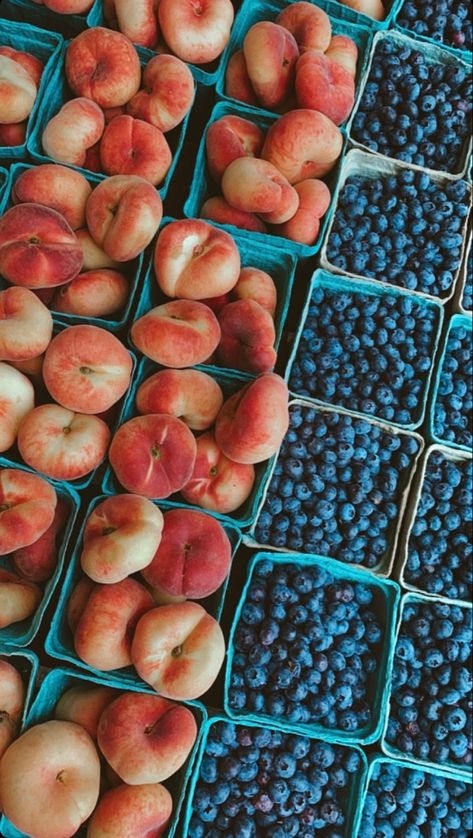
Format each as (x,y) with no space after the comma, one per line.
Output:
(351,799)
(22,633)
(376,765)
(389,749)
(230,383)
(48,47)
(59,641)
(203,187)
(56,682)
(132,270)
(345,285)
(59,93)
(460,303)
(340,19)
(458,320)
(461,52)
(28,11)
(4,175)
(387,595)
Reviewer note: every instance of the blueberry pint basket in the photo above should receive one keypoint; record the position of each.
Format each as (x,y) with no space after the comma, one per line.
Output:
(338,285)
(369,167)
(387,596)
(458,321)
(56,682)
(399,17)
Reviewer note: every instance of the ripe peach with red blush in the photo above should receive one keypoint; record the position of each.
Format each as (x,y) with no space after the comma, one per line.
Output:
(84,706)
(103,66)
(16,400)
(309,25)
(254,185)
(257,285)
(181,333)
(324,85)
(197,33)
(219,210)
(27,505)
(248,337)
(57,187)
(12,701)
(19,598)
(314,201)
(271,53)
(17,91)
(37,562)
(167,93)
(26,325)
(237,81)
(76,128)
(98,293)
(190,395)
(217,483)
(229,138)
(134,147)
(303,144)
(132,810)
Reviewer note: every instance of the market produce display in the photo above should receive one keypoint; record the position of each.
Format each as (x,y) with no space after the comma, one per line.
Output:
(236,454)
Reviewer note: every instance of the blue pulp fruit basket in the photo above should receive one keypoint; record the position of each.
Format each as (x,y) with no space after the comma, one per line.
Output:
(385,605)
(463,295)
(230,383)
(21,634)
(353,795)
(203,187)
(59,93)
(47,46)
(56,682)
(4,174)
(377,763)
(133,270)
(280,266)
(59,641)
(28,11)
(340,18)
(389,749)
(456,321)
(329,282)
(462,52)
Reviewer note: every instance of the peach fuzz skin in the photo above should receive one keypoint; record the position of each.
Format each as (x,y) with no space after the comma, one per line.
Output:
(257,285)
(68,7)
(323,85)
(254,185)
(27,505)
(98,293)
(13,134)
(26,325)
(219,210)
(132,146)
(178,334)
(217,483)
(145,738)
(138,22)
(371,8)
(105,627)
(344,51)
(38,249)
(229,138)
(19,598)
(309,25)
(189,395)
(50,780)
(178,649)
(84,705)
(16,400)
(197,33)
(271,53)
(77,126)
(29,62)
(153,455)
(37,562)
(103,66)
(94,257)
(140,811)
(57,187)
(17,91)
(248,337)
(303,144)
(193,558)
(314,201)
(121,536)
(194,260)
(237,81)
(167,93)
(12,700)
(86,369)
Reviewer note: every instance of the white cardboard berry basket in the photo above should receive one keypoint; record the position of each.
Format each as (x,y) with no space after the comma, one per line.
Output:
(371,166)
(433,55)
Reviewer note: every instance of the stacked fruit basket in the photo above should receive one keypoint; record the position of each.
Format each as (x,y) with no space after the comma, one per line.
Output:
(236,394)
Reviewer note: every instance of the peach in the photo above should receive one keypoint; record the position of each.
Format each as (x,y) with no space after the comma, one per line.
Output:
(13,134)
(32,368)
(271,53)
(12,700)
(217,303)
(248,337)
(193,558)
(178,649)
(371,8)
(257,186)
(62,444)
(145,738)
(178,334)
(16,400)
(103,66)
(86,369)
(314,201)
(37,562)
(19,598)
(237,81)
(27,504)
(309,25)
(219,210)
(167,94)
(141,811)
(325,86)
(344,51)
(76,127)
(69,7)
(111,113)
(78,601)
(123,214)
(303,144)
(26,325)
(257,285)
(194,260)
(17,91)
(196,32)
(138,21)
(133,147)
(121,536)
(29,62)
(253,422)
(94,257)
(228,139)
(92,160)
(153,455)
(38,249)
(84,705)
(103,634)
(50,780)
(57,187)
(97,293)
(217,483)
(190,395)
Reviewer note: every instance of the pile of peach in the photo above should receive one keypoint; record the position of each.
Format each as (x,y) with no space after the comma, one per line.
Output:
(20,75)
(103,756)
(114,125)
(32,520)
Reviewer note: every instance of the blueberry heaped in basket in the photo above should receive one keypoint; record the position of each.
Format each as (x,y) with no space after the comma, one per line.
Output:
(446,21)
(453,408)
